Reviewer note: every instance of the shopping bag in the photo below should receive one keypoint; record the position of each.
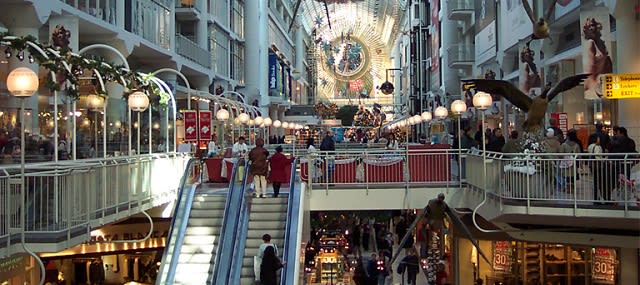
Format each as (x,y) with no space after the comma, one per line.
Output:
(256,268)
(240,174)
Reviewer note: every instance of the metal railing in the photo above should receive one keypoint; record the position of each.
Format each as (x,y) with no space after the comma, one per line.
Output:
(573,180)
(63,201)
(192,51)
(460,53)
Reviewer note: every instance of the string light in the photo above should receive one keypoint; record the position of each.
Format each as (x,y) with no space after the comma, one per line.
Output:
(21,55)
(7,52)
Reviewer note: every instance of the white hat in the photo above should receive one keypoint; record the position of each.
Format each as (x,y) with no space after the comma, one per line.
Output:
(550,133)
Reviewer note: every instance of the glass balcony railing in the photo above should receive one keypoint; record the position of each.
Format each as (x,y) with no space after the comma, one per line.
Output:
(459,9)
(104,10)
(192,51)
(460,54)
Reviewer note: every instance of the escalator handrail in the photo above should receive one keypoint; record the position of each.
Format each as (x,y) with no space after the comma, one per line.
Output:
(227,230)
(290,248)
(181,193)
(242,227)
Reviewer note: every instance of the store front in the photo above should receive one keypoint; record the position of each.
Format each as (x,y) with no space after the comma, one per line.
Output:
(116,254)
(518,262)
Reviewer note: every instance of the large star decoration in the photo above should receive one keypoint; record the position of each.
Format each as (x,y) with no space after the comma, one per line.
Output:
(323,82)
(318,20)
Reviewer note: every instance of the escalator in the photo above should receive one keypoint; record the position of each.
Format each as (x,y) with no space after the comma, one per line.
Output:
(199,217)
(281,218)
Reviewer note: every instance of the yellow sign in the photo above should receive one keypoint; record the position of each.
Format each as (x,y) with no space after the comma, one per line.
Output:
(621,86)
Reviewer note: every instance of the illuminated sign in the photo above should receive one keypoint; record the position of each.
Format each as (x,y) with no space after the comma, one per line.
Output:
(621,86)
(603,266)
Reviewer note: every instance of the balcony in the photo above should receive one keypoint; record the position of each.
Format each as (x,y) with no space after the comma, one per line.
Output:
(460,56)
(104,10)
(192,51)
(188,10)
(460,10)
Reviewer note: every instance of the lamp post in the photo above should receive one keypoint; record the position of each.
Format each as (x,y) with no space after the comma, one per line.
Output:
(22,82)
(95,103)
(482,101)
(138,101)
(458,107)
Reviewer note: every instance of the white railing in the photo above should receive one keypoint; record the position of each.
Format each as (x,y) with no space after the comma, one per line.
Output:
(66,199)
(575,180)
(192,51)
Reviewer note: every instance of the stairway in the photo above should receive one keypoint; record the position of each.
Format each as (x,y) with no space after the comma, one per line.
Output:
(195,263)
(268,216)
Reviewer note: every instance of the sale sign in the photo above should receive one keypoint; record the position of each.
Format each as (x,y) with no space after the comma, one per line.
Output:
(502,254)
(190,125)
(603,266)
(204,125)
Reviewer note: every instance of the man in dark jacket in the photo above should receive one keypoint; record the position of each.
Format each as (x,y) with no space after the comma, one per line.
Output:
(410,264)
(328,145)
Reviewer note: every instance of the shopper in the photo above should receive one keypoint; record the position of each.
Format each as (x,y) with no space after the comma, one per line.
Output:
(278,174)
(328,146)
(270,266)
(259,167)
(411,265)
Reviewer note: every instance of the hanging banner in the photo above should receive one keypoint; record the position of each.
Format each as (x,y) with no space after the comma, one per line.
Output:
(273,71)
(603,266)
(502,256)
(190,125)
(596,44)
(204,125)
(435,36)
(563,121)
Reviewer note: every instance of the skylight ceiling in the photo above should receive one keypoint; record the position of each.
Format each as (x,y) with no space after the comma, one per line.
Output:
(369,20)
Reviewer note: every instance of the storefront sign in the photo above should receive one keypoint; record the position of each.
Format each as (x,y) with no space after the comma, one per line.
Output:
(204,125)
(563,121)
(502,254)
(621,86)
(603,266)
(12,266)
(273,71)
(190,125)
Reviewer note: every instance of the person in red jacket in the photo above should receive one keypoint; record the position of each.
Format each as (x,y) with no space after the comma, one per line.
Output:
(278,164)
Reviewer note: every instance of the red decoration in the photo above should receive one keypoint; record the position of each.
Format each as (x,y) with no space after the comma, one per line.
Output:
(204,125)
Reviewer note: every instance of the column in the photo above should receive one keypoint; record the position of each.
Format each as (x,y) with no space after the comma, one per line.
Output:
(257,54)
(281,117)
(120,14)
(273,114)
(202,28)
(627,61)
(629,258)
(299,64)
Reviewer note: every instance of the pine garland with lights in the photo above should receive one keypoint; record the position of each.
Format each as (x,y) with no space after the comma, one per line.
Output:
(326,111)
(68,67)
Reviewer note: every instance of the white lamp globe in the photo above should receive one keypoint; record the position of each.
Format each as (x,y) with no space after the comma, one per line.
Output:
(138,101)
(277,124)
(267,121)
(243,118)
(458,107)
(251,122)
(417,119)
(22,82)
(482,100)
(258,120)
(285,125)
(236,121)
(441,112)
(412,121)
(426,116)
(222,115)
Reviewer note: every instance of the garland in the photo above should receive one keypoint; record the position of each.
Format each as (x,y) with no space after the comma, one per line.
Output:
(68,67)
(325,111)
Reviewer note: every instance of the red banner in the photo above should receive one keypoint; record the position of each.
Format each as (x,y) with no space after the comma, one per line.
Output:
(563,121)
(204,125)
(190,125)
